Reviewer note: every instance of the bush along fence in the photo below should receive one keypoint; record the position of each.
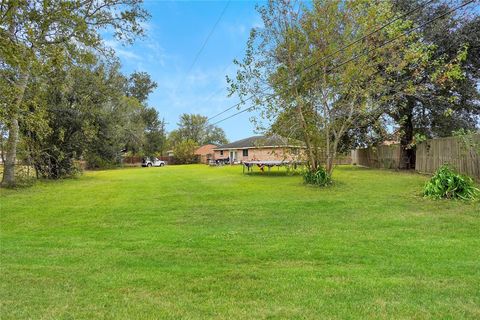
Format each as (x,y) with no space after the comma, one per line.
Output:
(462,153)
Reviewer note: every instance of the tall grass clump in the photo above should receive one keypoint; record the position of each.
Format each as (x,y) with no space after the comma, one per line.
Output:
(319,177)
(448,184)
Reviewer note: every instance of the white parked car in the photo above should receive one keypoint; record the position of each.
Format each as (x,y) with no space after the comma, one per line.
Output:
(152,162)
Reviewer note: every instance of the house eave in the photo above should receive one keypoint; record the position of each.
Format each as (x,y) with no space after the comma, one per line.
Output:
(259,147)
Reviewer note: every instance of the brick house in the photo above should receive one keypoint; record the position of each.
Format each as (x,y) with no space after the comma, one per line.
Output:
(205,153)
(263,148)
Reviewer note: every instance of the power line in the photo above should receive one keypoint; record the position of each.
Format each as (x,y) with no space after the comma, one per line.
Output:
(219,90)
(213,94)
(336,52)
(370,33)
(233,115)
(397,88)
(228,109)
(360,55)
(204,43)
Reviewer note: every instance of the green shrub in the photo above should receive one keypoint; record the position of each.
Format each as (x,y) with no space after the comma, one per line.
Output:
(448,184)
(319,177)
(95,161)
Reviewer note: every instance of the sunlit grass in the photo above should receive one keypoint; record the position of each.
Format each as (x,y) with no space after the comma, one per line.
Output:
(196,242)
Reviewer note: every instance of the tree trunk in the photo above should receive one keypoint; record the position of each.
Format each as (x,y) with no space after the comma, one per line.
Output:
(331,160)
(2,153)
(328,151)
(11,152)
(407,153)
(332,152)
(332,156)
(8,179)
(313,162)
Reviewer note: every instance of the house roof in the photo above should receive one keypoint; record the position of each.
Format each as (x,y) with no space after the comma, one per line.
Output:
(262,141)
(205,149)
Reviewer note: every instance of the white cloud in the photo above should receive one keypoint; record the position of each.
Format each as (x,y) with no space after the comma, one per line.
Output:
(155,52)
(121,51)
(147,50)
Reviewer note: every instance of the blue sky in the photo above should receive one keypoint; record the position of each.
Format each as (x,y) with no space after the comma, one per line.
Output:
(175,34)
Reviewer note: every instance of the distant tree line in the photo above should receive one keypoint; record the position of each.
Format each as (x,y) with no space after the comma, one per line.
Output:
(63,97)
(193,130)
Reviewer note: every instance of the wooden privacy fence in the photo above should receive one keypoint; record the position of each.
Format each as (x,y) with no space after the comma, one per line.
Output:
(385,157)
(342,159)
(460,152)
(131,160)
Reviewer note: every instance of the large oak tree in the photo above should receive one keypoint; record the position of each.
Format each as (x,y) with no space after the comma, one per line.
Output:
(36,35)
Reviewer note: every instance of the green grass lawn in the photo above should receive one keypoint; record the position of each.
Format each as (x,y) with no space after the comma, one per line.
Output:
(194,242)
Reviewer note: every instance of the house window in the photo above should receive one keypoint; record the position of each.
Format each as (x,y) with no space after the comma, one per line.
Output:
(221,152)
(245,152)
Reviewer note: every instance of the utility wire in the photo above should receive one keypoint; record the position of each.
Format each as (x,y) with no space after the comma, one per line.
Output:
(204,44)
(230,108)
(217,92)
(360,55)
(209,98)
(337,51)
(398,87)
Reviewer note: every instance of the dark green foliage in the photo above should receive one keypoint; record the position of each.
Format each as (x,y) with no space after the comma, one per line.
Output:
(155,132)
(319,177)
(196,127)
(140,85)
(442,107)
(87,116)
(95,161)
(39,41)
(185,152)
(448,184)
